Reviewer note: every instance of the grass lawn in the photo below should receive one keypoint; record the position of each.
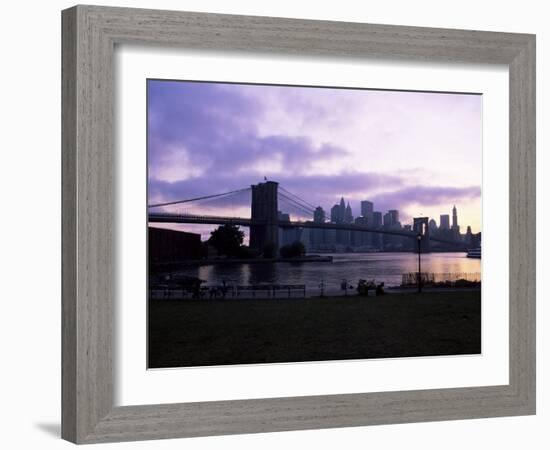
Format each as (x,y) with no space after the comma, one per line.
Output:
(230,331)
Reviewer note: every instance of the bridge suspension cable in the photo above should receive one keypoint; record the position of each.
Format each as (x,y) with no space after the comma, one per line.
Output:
(296,204)
(204,197)
(299,199)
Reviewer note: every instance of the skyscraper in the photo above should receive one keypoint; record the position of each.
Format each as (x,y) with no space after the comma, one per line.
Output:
(455,228)
(444,222)
(340,213)
(360,238)
(468,239)
(335,214)
(348,215)
(376,219)
(394,214)
(366,208)
(376,238)
(319,215)
(455,219)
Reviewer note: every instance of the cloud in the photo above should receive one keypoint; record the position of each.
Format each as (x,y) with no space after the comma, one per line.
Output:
(320,144)
(317,190)
(426,196)
(210,129)
(323,190)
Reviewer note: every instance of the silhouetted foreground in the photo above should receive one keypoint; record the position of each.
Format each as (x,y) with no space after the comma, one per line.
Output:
(230,331)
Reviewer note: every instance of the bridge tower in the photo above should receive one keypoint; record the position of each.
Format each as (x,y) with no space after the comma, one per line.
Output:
(420,226)
(264,229)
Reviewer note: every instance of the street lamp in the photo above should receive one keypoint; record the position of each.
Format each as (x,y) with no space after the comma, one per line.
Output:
(419,240)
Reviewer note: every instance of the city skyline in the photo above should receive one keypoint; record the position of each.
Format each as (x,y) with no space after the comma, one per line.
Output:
(208,137)
(327,214)
(342,213)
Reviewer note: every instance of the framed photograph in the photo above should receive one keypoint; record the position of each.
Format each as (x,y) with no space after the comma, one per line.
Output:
(277,224)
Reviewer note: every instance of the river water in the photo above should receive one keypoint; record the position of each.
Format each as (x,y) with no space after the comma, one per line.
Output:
(382,267)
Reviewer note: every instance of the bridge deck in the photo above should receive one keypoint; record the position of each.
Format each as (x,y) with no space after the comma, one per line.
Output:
(246,222)
(219,220)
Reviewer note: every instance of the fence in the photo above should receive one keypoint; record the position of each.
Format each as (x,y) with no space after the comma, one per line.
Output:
(168,292)
(450,278)
(272,289)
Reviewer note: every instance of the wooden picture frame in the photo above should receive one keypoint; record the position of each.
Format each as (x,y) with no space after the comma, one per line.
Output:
(90,34)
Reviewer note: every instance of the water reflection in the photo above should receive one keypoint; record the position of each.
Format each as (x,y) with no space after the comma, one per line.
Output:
(383,267)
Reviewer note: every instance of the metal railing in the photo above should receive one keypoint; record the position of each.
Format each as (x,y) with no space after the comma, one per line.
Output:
(428,278)
(168,292)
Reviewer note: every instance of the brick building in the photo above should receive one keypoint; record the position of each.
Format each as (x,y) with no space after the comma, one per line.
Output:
(172,246)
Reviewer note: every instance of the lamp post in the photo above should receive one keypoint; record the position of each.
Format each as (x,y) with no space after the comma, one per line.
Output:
(419,240)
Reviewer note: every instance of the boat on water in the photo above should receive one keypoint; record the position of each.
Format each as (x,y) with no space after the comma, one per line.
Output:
(474,253)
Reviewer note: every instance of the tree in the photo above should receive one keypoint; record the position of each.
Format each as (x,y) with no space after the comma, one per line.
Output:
(227,239)
(294,250)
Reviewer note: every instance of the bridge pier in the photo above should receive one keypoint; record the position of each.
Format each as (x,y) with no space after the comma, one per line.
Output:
(264,228)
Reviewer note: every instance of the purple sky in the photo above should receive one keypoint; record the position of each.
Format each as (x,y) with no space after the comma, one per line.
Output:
(416,152)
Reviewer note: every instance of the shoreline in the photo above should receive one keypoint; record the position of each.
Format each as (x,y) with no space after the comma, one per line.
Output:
(388,291)
(320,256)
(213,261)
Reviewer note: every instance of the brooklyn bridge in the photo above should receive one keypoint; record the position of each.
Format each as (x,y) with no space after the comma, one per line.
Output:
(264,221)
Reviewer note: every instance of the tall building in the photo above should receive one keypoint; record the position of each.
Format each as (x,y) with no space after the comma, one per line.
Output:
(338,212)
(319,215)
(376,219)
(366,208)
(335,214)
(387,220)
(360,238)
(394,214)
(341,214)
(455,218)
(376,238)
(171,245)
(468,238)
(432,224)
(455,228)
(348,215)
(318,237)
(342,210)
(444,222)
